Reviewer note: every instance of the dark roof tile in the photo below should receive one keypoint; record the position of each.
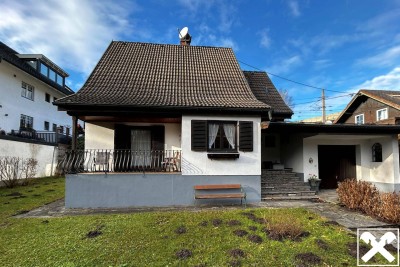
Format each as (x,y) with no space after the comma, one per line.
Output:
(155,75)
(265,91)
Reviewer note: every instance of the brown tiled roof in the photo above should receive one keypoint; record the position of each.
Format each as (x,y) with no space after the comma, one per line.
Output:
(390,98)
(387,97)
(265,91)
(149,75)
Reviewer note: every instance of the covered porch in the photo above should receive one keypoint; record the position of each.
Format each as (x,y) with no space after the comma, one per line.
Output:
(334,152)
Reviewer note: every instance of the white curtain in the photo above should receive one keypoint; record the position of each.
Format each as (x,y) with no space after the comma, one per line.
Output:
(141,147)
(229,130)
(212,133)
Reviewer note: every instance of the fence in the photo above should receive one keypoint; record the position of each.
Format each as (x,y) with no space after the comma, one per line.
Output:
(120,160)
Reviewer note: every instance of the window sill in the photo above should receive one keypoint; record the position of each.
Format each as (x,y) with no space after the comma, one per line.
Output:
(223,155)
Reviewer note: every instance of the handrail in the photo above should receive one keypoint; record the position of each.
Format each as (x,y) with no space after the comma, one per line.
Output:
(120,160)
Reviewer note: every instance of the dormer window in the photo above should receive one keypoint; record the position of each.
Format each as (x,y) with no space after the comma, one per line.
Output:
(51,74)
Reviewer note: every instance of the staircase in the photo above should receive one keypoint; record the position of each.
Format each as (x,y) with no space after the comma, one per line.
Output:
(284,185)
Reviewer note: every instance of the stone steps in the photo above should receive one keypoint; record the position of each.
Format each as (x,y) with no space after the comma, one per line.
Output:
(284,185)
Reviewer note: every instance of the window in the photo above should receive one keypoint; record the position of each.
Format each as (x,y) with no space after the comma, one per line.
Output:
(359,119)
(222,136)
(54,127)
(46,126)
(377,152)
(26,122)
(44,70)
(47,98)
(67,131)
(382,114)
(52,75)
(60,79)
(61,128)
(27,91)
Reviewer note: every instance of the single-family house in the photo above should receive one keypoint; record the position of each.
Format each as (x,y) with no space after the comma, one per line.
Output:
(161,119)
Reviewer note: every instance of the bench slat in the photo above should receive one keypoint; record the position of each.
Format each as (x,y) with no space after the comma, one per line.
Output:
(204,196)
(217,186)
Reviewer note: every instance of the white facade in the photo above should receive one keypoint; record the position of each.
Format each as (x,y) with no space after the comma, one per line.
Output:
(302,156)
(178,137)
(198,163)
(12,104)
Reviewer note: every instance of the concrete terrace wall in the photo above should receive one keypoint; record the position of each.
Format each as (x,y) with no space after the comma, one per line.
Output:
(46,155)
(151,190)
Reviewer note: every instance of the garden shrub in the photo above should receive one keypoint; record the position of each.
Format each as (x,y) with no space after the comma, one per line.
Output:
(364,196)
(389,207)
(282,227)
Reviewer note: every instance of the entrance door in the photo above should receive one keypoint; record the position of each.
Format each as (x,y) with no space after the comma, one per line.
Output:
(336,163)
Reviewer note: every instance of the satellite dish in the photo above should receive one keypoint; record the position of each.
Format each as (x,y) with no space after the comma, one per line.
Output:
(183,32)
(184,36)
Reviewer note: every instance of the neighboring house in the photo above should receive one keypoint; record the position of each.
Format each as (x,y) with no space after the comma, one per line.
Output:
(29,83)
(162,118)
(372,107)
(30,126)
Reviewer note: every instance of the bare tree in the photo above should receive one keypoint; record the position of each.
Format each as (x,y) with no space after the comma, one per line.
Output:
(287,97)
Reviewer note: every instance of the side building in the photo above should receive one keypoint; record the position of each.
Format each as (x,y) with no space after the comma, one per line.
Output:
(30,125)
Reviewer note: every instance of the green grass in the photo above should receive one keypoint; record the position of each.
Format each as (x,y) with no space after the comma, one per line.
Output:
(149,238)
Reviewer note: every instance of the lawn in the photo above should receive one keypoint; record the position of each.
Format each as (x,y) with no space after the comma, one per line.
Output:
(232,237)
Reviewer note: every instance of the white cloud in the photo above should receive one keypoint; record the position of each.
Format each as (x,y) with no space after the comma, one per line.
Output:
(320,64)
(294,8)
(383,59)
(389,81)
(285,65)
(265,39)
(71,33)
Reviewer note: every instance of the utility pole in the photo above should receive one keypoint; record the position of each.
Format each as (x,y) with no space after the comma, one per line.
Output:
(323,107)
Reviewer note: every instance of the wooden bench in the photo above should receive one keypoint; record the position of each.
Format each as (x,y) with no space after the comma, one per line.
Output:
(209,194)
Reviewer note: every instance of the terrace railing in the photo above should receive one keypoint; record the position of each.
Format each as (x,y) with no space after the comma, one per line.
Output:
(120,160)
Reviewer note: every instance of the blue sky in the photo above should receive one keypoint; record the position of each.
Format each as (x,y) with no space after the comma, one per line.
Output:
(342,46)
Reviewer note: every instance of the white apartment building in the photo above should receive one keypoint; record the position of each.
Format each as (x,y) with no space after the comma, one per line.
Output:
(29,83)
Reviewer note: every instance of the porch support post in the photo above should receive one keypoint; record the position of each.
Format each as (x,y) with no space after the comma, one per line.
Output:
(74,131)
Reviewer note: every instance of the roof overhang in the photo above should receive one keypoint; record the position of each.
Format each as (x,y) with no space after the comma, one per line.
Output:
(330,128)
(83,111)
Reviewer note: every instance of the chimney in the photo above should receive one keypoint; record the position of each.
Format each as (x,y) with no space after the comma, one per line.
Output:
(184,36)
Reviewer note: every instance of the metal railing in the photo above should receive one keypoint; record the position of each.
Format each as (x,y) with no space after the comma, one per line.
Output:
(43,136)
(120,160)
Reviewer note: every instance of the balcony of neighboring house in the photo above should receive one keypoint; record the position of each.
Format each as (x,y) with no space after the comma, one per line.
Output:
(120,161)
(30,135)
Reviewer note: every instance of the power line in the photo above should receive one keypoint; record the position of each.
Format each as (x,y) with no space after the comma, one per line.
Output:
(289,80)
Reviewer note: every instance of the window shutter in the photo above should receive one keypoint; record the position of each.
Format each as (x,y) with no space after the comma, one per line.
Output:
(246,136)
(199,135)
